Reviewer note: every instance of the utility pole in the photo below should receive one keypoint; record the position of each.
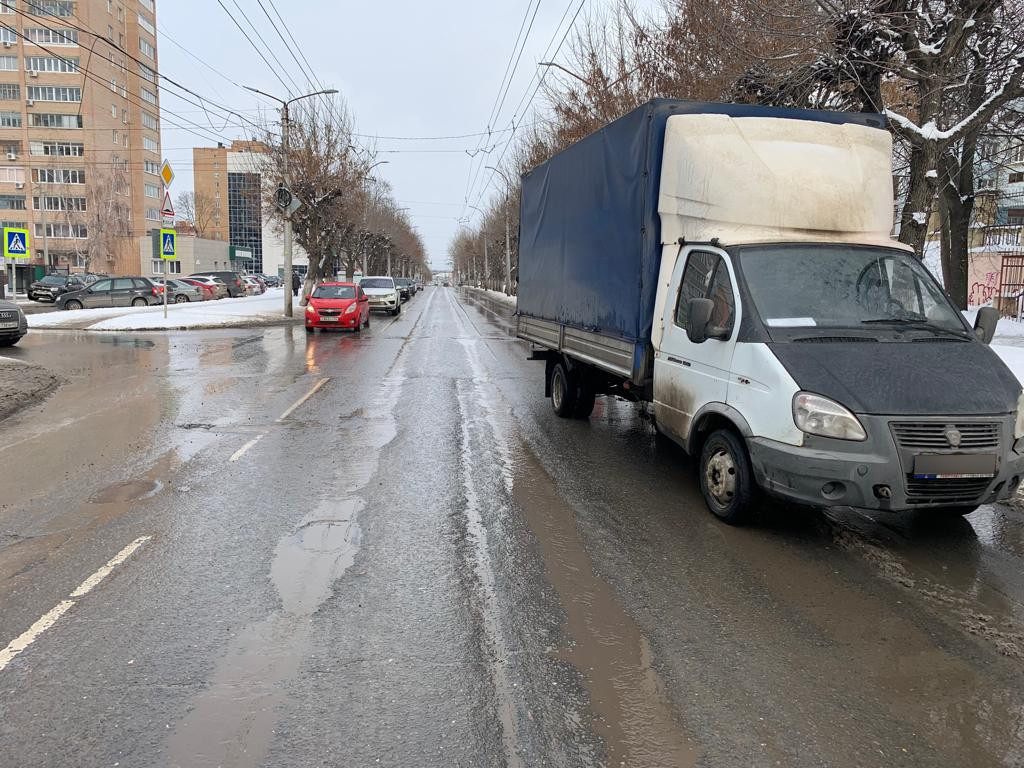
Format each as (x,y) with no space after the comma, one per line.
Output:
(389,257)
(288,234)
(508,241)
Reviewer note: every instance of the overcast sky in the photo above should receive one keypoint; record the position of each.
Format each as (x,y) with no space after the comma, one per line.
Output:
(407,69)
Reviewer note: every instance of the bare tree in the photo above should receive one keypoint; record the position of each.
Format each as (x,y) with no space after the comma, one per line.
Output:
(199,210)
(106,219)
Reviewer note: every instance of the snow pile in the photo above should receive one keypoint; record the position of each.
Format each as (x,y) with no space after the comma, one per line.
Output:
(497,295)
(1013,357)
(225,313)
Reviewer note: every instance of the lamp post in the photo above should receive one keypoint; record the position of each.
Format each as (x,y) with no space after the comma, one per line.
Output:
(508,242)
(288,219)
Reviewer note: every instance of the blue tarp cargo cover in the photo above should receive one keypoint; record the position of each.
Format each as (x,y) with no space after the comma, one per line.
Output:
(589,232)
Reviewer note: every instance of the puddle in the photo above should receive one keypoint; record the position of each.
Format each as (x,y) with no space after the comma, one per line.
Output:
(632,713)
(133,490)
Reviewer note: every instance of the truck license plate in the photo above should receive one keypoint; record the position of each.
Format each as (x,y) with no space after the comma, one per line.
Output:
(954,466)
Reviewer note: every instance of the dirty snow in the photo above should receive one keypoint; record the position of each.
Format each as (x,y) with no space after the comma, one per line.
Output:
(497,295)
(225,313)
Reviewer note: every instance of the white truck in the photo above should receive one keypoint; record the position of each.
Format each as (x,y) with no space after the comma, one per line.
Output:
(733,265)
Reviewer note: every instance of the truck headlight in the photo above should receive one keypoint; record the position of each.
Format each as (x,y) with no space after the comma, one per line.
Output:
(817,415)
(1018,427)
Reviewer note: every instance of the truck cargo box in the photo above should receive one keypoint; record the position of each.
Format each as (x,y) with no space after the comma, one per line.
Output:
(590,235)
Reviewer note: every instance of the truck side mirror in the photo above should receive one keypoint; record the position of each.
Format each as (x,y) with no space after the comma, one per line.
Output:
(698,317)
(985,324)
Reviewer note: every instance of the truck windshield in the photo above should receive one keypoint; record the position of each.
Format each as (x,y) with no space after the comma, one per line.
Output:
(843,286)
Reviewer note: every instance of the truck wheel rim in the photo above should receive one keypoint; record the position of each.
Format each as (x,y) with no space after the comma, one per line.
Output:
(720,477)
(556,390)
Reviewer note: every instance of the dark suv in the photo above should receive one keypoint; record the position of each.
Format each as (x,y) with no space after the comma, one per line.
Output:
(233,280)
(51,287)
(114,292)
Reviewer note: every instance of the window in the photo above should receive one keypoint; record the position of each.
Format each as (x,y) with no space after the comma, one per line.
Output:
(48,36)
(116,137)
(55,203)
(13,224)
(113,85)
(152,214)
(10,92)
(173,267)
(113,110)
(149,143)
(151,166)
(148,5)
(120,13)
(54,93)
(149,121)
(147,74)
(57,148)
(1015,217)
(8,63)
(1015,178)
(1017,154)
(49,120)
(110,6)
(147,25)
(110,33)
(12,202)
(50,64)
(152,190)
(58,175)
(10,119)
(12,175)
(6,6)
(8,35)
(985,182)
(147,49)
(65,230)
(61,8)
(707,277)
(124,116)
(147,95)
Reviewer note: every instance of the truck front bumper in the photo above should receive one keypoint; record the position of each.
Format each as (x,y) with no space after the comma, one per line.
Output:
(878,473)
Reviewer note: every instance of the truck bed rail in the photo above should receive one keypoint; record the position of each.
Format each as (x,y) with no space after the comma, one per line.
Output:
(611,354)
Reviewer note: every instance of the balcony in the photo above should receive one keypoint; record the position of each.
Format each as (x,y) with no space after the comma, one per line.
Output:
(1010,236)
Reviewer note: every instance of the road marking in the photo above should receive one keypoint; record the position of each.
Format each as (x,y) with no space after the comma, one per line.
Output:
(300,403)
(242,451)
(87,586)
(48,619)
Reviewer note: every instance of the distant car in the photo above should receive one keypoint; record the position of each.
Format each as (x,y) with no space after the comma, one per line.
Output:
(13,324)
(272,281)
(338,305)
(406,287)
(181,292)
(383,293)
(447,284)
(233,280)
(114,292)
(253,287)
(53,286)
(90,278)
(211,291)
(219,286)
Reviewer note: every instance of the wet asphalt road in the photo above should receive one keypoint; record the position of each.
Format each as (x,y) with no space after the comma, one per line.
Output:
(385,550)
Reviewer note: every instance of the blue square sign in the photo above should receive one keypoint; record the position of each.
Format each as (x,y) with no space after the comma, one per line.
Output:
(16,243)
(168,244)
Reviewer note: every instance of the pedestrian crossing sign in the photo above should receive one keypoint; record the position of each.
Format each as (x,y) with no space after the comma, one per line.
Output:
(16,243)
(168,244)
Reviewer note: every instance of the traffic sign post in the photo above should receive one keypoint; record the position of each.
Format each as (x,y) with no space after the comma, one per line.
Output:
(168,237)
(17,245)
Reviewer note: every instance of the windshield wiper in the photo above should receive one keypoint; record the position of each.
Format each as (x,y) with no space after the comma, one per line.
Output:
(924,325)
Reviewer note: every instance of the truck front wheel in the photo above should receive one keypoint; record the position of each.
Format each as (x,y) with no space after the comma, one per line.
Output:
(563,391)
(726,478)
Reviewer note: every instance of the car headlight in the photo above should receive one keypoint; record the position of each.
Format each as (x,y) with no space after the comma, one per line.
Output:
(351,309)
(1018,427)
(310,309)
(817,415)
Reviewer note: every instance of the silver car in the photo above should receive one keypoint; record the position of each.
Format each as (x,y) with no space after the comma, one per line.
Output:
(182,293)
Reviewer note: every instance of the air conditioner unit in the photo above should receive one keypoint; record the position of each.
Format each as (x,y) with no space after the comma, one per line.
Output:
(33,73)
(19,185)
(12,155)
(8,43)
(30,102)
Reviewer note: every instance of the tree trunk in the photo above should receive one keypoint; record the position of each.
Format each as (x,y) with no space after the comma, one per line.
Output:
(920,197)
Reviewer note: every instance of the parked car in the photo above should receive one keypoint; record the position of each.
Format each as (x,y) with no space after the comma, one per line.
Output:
(260,279)
(218,286)
(233,281)
(253,287)
(52,286)
(406,287)
(338,305)
(182,292)
(13,324)
(209,289)
(272,281)
(90,278)
(383,293)
(114,292)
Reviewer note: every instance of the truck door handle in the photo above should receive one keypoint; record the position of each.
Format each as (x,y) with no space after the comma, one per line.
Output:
(678,361)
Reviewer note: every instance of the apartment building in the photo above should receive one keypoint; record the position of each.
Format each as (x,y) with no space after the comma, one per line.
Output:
(80,130)
(232,185)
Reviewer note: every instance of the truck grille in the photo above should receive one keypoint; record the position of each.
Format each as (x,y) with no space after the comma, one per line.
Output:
(932,435)
(948,491)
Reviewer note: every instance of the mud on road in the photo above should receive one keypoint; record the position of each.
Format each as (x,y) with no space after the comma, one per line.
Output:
(23,385)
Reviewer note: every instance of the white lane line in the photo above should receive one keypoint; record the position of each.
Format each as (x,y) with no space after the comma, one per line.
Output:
(48,619)
(244,449)
(87,586)
(301,402)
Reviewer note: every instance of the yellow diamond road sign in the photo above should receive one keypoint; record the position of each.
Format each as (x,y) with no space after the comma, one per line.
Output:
(167,173)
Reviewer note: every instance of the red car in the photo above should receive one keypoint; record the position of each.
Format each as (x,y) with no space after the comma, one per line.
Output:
(209,291)
(338,305)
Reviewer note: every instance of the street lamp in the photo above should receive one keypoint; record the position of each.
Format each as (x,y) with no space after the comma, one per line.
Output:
(508,242)
(285,103)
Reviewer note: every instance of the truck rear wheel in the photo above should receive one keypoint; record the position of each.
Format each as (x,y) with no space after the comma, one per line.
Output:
(726,478)
(563,391)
